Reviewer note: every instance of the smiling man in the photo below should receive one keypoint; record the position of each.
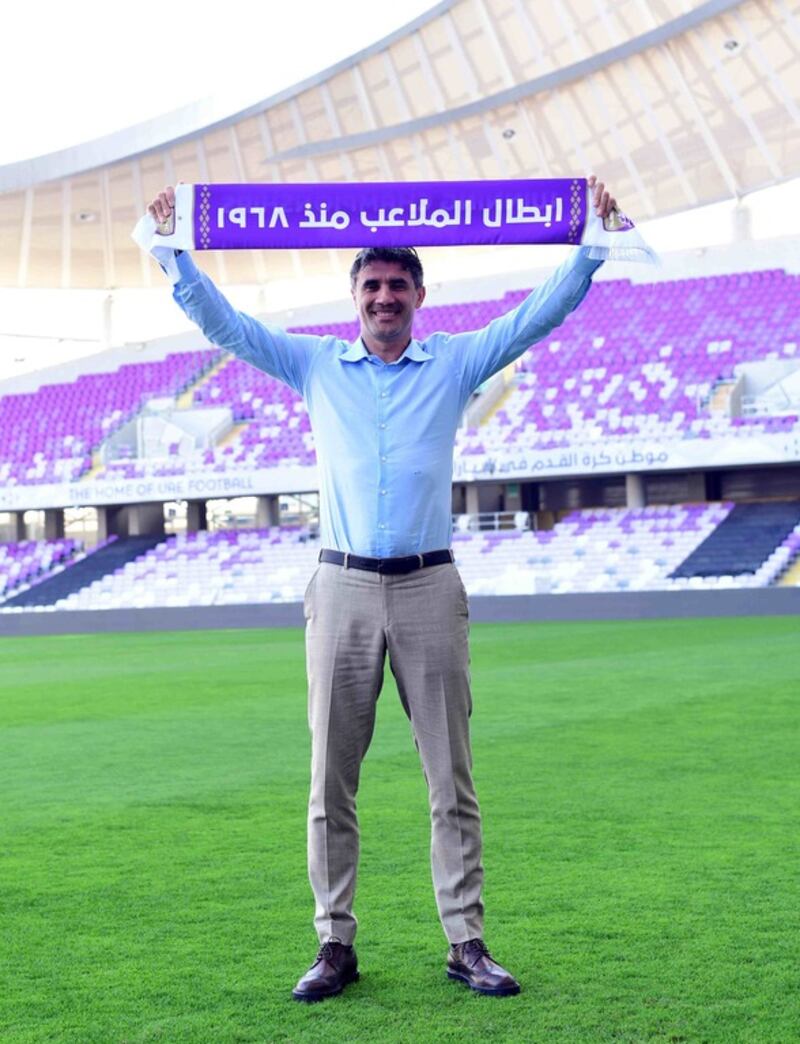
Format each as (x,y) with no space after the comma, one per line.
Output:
(385,410)
(387,295)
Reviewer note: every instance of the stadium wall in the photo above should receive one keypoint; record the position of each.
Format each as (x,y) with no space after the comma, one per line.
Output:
(633,605)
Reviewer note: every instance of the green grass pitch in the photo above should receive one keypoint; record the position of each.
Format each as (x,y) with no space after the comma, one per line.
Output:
(640,788)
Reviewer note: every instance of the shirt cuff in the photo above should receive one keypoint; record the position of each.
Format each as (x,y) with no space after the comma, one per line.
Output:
(176,264)
(583,264)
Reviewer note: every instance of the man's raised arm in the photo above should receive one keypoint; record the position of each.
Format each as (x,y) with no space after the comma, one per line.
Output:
(546,307)
(283,355)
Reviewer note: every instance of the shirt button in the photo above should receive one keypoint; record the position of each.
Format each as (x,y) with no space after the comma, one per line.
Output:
(381,425)
(381,525)
(384,394)
(383,492)
(384,459)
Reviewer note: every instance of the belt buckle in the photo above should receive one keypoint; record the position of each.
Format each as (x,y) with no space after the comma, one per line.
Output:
(421,559)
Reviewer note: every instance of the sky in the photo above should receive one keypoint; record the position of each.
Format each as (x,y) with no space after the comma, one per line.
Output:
(80,69)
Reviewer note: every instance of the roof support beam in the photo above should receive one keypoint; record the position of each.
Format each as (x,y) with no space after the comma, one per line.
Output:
(431,77)
(368,109)
(66,231)
(598,91)
(728,85)
(702,125)
(768,70)
(640,93)
(145,261)
(474,91)
(658,36)
(25,238)
(420,155)
(105,224)
(488,27)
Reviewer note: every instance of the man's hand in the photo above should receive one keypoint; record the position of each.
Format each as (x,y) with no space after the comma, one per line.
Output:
(163,205)
(602,201)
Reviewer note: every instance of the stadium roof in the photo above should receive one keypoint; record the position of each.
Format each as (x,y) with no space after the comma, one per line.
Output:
(675,103)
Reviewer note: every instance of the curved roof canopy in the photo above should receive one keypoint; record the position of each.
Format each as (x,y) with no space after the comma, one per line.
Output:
(675,103)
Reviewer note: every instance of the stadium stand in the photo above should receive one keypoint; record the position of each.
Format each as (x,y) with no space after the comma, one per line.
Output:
(636,360)
(742,542)
(275,428)
(28,561)
(107,557)
(644,360)
(615,549)
(50,435)
(228,567)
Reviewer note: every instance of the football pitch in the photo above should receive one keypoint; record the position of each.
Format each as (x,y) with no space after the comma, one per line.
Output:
(641,801)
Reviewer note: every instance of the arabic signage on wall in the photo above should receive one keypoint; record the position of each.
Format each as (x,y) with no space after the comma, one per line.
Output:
(578,461)
(628,456)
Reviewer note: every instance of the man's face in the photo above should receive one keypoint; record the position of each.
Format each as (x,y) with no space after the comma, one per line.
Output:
(386,300)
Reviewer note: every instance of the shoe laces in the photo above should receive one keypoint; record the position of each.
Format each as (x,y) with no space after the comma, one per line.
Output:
(327,951)
(475,949)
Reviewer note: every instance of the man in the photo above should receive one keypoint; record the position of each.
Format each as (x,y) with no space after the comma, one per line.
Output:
(385,411)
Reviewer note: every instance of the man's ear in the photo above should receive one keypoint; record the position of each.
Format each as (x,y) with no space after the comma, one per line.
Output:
(420,296)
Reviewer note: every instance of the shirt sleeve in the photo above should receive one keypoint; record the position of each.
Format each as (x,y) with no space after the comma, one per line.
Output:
(484,352)
(280,354)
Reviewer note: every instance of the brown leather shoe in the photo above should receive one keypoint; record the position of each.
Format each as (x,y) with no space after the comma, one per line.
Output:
(335,966)
(471,963)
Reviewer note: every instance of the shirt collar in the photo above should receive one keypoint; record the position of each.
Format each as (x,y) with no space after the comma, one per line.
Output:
(357,351)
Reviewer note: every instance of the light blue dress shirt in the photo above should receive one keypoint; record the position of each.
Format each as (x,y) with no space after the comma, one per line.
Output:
(384,432)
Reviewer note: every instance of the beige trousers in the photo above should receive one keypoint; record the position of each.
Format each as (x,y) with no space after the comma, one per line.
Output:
(353,619)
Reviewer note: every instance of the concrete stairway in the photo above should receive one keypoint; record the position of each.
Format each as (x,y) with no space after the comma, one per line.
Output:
(791,576)
(185,400)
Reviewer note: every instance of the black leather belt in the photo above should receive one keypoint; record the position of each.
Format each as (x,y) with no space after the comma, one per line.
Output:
(387,566)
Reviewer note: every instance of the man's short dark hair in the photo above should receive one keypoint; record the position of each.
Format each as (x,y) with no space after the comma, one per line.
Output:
(406,257)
